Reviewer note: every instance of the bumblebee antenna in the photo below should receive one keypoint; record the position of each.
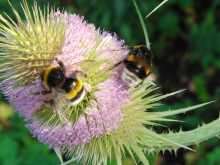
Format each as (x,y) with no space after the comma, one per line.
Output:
(59,62)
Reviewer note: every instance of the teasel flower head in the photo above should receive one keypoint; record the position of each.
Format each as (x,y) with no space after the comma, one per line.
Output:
(111,119)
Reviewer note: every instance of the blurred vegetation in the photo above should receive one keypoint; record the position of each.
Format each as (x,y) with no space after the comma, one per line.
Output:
(185,37)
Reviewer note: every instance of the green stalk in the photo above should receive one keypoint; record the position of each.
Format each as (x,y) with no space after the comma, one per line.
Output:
(143,25)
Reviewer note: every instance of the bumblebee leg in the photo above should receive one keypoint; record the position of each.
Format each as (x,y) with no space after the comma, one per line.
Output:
(51,102)
(75,74)
(42,85)
(42,92)
(128,47)
(118,63)
(82,73)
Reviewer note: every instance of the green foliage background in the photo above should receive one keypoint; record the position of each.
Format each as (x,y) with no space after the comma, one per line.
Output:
(185,37)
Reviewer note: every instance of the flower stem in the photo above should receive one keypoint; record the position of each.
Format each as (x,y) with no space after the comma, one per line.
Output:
(143,25)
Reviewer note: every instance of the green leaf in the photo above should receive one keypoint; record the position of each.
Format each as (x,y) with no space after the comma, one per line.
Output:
(9,151)
(169,24)
(201,90)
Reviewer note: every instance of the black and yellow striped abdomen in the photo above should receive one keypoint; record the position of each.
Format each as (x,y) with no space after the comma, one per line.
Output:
(74,89)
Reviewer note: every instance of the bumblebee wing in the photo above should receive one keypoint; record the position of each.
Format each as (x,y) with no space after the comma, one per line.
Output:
(86,65)
(61,105)
(129,48)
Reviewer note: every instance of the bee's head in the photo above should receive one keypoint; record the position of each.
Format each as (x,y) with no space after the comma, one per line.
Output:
(56,77)
(142,52)
(141,55)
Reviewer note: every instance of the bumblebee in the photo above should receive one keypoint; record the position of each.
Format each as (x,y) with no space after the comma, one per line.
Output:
(138,65)
(66,91)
